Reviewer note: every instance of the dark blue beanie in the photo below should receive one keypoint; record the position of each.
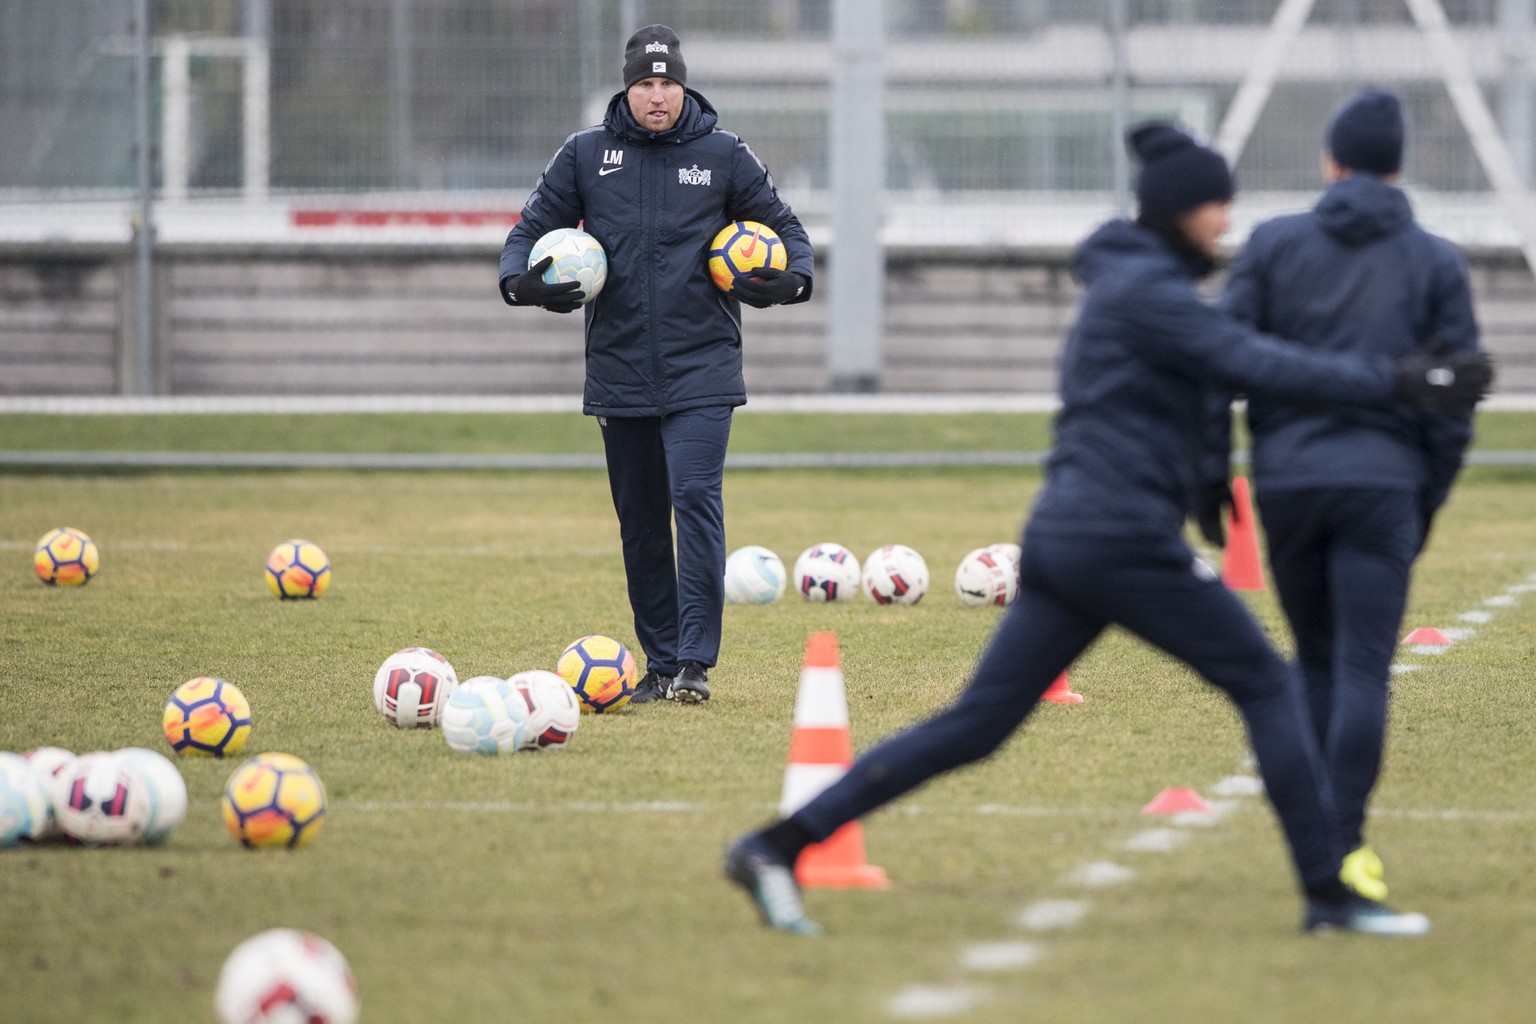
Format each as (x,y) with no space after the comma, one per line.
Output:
(1366,133)
(1177,173)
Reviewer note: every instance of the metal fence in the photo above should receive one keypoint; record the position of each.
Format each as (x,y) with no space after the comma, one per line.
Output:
(294,97)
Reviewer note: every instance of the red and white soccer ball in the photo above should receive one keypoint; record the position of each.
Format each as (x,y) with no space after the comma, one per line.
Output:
(987,577)
(895,574)
(286,976)
(826,573)
(412,686)
(554,710)
(103,799)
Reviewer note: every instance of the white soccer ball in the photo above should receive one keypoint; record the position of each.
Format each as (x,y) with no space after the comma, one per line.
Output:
(986,577)
(827,572)
(286,976)
(554,710)
(577,257)
(895,574)
(23,800)
(103,799)
(50,763)
(1012,550)
(167,791)
(754,575)
(488,717)
(412,686)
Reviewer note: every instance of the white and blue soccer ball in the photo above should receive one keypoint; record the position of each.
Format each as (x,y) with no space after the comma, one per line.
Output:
(987,576)
(51,764)
(754,575)
(24,806)
(826,573)
(577,257)
(485,715)
(166,788)
(895,574)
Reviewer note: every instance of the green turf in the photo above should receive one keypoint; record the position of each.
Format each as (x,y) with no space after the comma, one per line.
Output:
(570,433)
(550,887)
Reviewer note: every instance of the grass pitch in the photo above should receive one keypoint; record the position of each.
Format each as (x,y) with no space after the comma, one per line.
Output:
(584,884)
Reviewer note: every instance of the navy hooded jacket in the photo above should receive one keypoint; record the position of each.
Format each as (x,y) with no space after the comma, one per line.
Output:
(1138,361)
(660,337)
(1354,274)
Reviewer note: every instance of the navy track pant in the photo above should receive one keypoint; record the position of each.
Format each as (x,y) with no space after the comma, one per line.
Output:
(1341,561)
(661,468)
(1072,589)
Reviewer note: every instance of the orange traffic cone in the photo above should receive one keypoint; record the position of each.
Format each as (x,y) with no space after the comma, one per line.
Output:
(819,754)
(1240,568)
(1060,692)
(1428,636)
(1176,800)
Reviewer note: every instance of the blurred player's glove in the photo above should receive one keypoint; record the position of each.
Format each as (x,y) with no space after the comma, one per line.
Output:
(1443,382)
(768,286)
(530,289)
(1214,500)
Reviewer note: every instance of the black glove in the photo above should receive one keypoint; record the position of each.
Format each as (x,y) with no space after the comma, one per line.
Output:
(1214,500)
(1443,382)
(530,289)
(768,286)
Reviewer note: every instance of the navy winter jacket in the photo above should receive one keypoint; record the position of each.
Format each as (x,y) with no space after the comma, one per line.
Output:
(1137,362)
(661,338)
(1354,274)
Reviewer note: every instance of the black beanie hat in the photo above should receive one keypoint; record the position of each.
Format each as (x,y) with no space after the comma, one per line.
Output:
(654,52)
(1177,173)
(1366,133)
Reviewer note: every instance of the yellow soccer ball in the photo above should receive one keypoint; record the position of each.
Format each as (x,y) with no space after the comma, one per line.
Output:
(207,717)
(740,248)
(601,671)
(297,569)
(66,557)
(274,800)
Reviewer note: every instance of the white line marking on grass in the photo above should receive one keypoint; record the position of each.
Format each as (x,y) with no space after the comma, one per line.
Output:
(1521,588)
(1500,601)
(1099,874)
(1453,814)
(1156,840)
(1476,616)
(999,956)
(1432,649)
(1239,785)
(934,1000)
(1401,669)
(1459,634)
(1048,915)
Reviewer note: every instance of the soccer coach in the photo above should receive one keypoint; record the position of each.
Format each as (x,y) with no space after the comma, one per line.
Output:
(653,184)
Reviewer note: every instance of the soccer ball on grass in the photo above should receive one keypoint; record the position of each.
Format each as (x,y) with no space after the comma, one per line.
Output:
(412,686)
(66,557)
(207,717)
(485,716)
(601,671)
(986,576)
(103,799)
(754,575)
(827,573)
(554,710)
(298,570)
(895,574)
(25,808)
(274,800)
(286,976)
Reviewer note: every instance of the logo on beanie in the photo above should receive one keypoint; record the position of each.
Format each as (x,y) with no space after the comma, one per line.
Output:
(656,48)
(692,176)
(659,66)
